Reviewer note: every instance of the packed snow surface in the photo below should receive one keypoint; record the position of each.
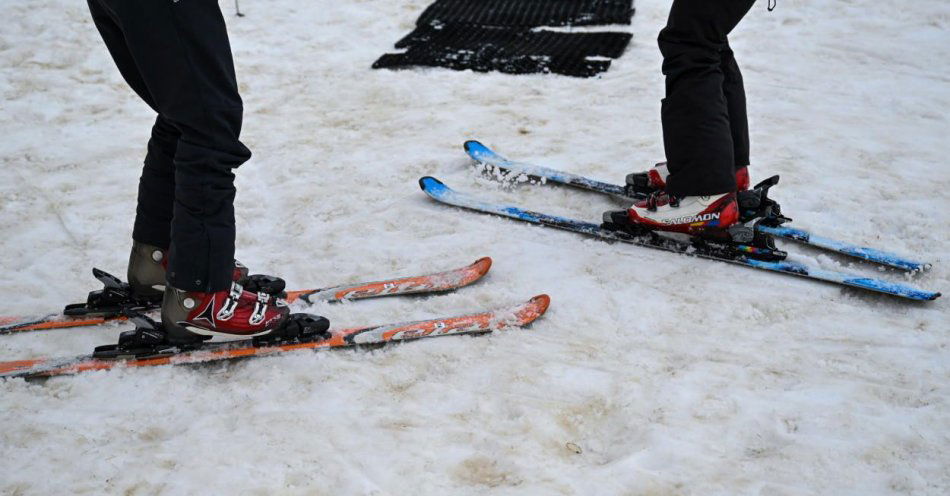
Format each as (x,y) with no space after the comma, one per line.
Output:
(651,373)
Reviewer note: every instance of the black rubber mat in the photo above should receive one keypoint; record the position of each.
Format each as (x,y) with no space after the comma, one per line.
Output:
(503,35)
(484,49)
(528,13)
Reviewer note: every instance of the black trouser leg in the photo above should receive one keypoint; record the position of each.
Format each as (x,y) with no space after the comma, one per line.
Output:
(177,57)
(697,134)
(734,91)
(153,215)
(156,197)
(107,22)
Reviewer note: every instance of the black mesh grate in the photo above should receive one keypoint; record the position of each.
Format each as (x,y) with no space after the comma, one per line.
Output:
(484,49)
(528,13)
(499,35)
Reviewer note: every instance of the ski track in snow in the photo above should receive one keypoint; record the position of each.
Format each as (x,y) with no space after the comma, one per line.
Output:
(669,375)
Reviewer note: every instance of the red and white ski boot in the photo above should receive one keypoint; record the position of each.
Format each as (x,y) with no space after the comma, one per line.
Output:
(640,184)
(711,217)
(192,316)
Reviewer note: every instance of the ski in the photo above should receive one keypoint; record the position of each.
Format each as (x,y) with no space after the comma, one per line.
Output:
(486,156)
(483,322)
(749,256)
(79,315)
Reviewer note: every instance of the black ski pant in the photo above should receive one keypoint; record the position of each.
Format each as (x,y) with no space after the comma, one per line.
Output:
(705,128)
(177,57)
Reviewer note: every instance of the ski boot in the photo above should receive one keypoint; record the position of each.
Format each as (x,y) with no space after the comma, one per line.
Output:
(146,273)
(754,203)
(146,286)
(712,221)
(190,316)
(150,339)
(143,291)
(704,216)
(643,184)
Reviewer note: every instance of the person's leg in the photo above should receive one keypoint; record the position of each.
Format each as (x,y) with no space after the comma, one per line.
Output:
(151,234)
(177,56)
(153,215)
(695,114)
(734,92)
(183,54)
(107,22)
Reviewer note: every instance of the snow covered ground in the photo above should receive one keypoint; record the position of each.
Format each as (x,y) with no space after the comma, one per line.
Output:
(651,374)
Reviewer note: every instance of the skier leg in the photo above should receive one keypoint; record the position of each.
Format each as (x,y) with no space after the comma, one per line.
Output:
(182,53)
(156,200)
(156,193)
(696,130)
(694,192)
(107,23)
(151,234)
(734,91)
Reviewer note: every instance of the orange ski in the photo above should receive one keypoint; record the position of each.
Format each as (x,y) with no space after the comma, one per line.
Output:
(517,316)
(431,283)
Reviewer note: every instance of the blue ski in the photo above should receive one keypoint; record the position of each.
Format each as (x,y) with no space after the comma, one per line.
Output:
(732,254)
(485,155)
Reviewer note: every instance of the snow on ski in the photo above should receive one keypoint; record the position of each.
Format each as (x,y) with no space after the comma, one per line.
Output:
(430,283)
(487,156)
(517,316)
(481,153)
(443,194)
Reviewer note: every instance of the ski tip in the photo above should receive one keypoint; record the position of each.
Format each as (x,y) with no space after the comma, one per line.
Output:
(527,312)
(472,144)
(543,301)
(890,288)
(478,151)
(429,183)
(483,265)
(919,295)
(534,308)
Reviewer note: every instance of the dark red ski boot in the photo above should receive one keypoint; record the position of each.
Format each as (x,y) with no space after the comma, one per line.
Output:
(190,316)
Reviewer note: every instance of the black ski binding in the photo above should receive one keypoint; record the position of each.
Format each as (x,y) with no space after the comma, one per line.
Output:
(111,300)
(298,328)
(638,185)
(756,204)
(147,340)
(618,221)
(261,283)
(757,244)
